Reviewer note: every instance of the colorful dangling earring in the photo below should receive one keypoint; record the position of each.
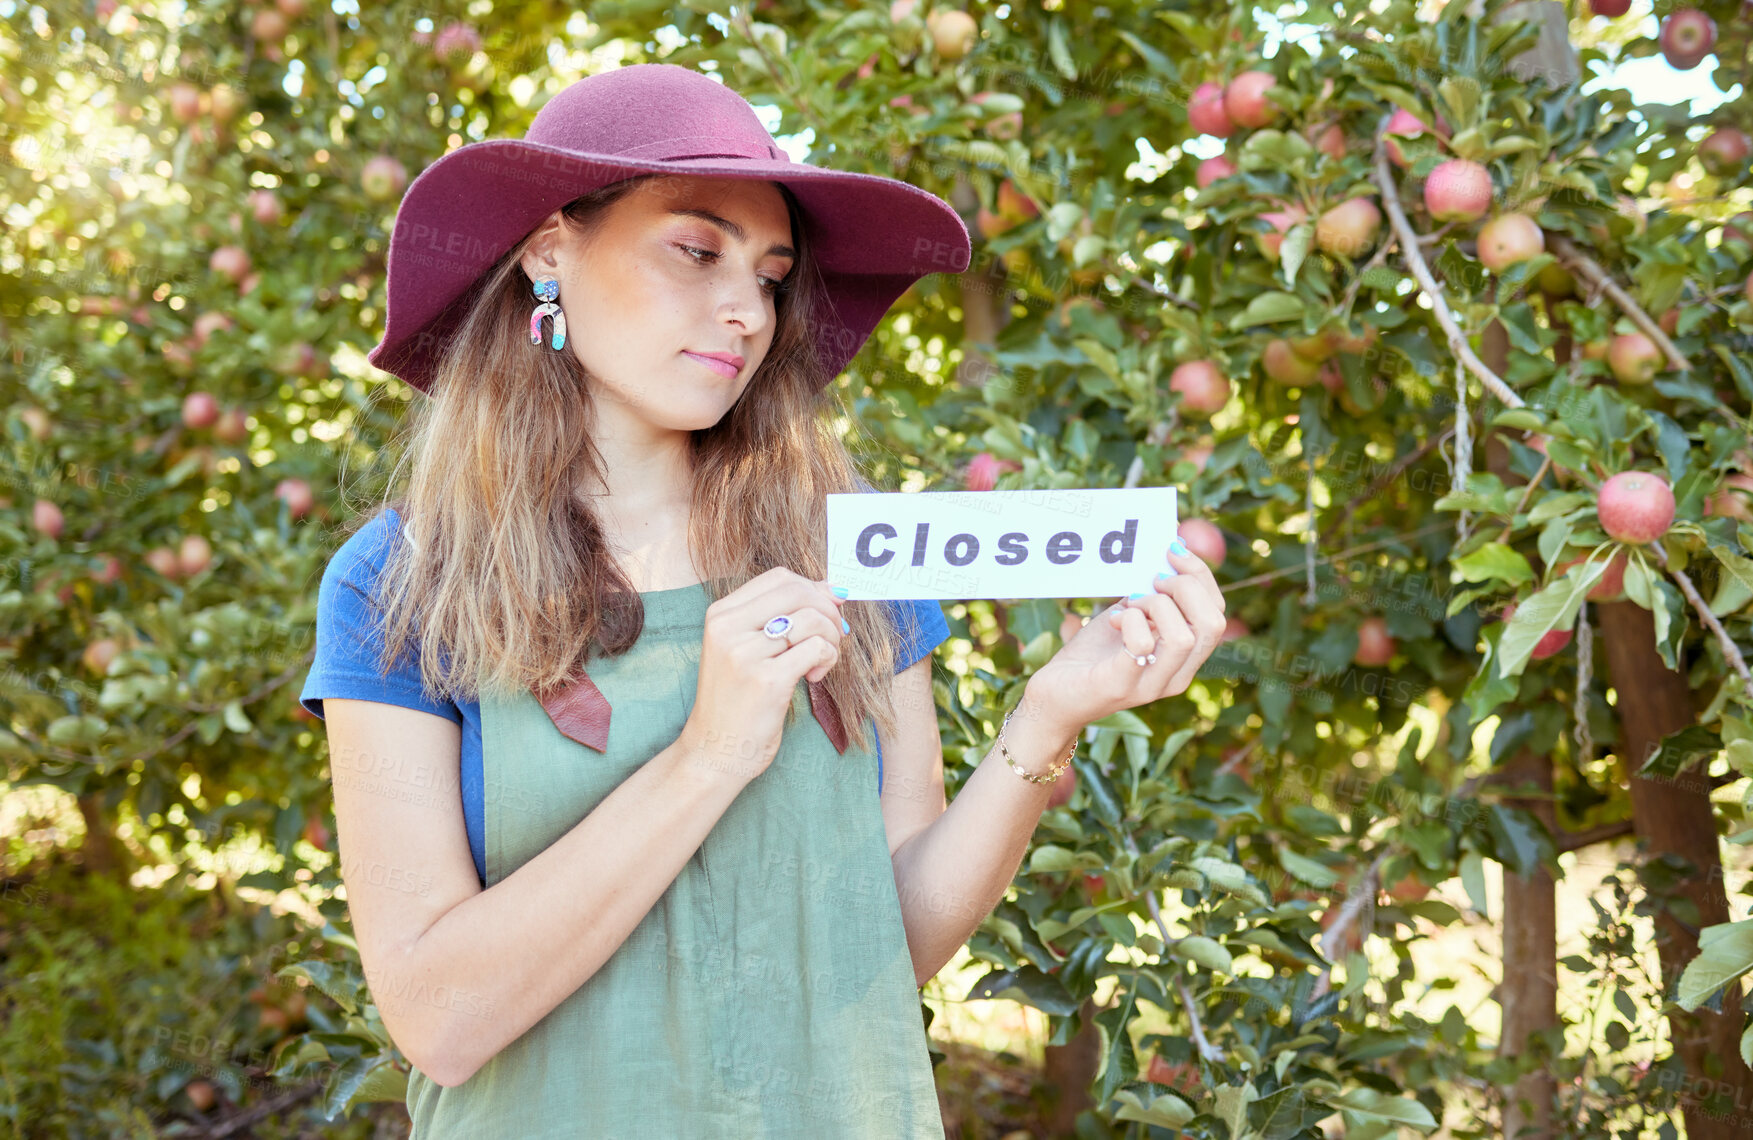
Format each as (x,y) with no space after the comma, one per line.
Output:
(547,289)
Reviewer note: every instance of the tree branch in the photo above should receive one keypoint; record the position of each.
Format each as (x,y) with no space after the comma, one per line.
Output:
(1731,651)
(1409,250)
(1589,836)
(1582,265)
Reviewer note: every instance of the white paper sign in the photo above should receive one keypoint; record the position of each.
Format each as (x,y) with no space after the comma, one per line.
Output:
(1082,543)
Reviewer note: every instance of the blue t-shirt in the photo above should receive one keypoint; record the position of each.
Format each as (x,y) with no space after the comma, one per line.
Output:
(349,637)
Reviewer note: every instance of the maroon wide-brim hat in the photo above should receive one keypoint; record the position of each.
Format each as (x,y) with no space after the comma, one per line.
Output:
(872,236)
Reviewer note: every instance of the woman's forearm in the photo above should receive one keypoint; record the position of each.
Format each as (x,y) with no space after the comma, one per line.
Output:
(951,875)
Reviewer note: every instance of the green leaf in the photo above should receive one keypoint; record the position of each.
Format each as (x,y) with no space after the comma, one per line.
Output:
(1493,562)
(1308,870)
(1473,880)
(1030,987)
(1725,952)
(1554,607)
(1165,1111)
(328,978)
(1374,1105)
(1269,308)
(1051,859)
(235,719)
(1208,952)
(1551,506)
(1516,836)
(1680,750)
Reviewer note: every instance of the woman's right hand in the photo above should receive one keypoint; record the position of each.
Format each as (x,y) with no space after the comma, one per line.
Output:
(747,679)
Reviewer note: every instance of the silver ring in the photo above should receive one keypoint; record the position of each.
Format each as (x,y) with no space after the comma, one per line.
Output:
(1147,659)
(776,627)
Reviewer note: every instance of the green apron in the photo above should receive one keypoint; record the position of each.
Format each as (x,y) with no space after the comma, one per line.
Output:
(768,992)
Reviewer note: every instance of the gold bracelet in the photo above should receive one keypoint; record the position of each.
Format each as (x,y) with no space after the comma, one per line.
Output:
(1052,773)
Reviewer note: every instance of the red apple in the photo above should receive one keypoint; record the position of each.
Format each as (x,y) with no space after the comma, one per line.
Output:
(1687,37)
(1610,8)
(982,474)
(1349,229)
(1411,889)
(209,323)
(316,832)
(1635,506)
(200,1094)
(230,261)
(200,410)
(163,561)
(109,570)
(1281,222)
(1331,142)
(297,359)
(953,32)
(47,518)
(269,26)
(1233,628)
(1375,645)
(1553,640)
(1725,152)
(1634,358)
(990,224)
(291,9)
(99,654)
(265,205)
(1611,585)
(1198,455)
(1731,501)
(1406,125)
(194,554)
(1013,203)
(1205,113)
(1331,378)
(382,178)
(185,102)
(37,422)
(900,9)
(1211,169)
(1740,228)
(225,102)
(232,427)
(1245,101)
(1204,390)
(1509,239)
(1282,364)
(1458,191)
(455,43)
(1204,540)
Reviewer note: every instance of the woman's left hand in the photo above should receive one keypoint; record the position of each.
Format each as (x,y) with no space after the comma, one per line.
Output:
(1097,672)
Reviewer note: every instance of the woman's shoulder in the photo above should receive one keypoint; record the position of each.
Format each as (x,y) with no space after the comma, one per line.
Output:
(365,551)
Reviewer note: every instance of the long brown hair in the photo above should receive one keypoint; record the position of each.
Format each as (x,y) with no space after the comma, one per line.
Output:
(506,584)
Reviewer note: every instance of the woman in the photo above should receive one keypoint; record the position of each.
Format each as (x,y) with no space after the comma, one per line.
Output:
(687,913)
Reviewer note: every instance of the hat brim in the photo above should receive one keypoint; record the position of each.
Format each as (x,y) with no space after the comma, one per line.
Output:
(872,237)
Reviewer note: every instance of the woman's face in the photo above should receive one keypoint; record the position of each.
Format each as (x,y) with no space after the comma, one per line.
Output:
(680,268)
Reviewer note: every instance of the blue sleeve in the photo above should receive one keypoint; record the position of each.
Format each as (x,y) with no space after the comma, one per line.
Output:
(921,627)
(349,633)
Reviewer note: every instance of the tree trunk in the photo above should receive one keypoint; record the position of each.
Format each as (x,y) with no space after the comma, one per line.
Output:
(985,300)
(102,853)
(1068,1069)
(1674,817)
(1528,994)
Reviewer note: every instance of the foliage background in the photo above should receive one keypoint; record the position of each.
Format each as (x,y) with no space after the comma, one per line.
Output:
(171,913)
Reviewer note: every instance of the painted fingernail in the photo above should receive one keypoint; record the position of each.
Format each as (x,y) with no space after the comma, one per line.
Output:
(841,591)
(1140,595)
(1180,548)
(1162,574)
(844,628)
